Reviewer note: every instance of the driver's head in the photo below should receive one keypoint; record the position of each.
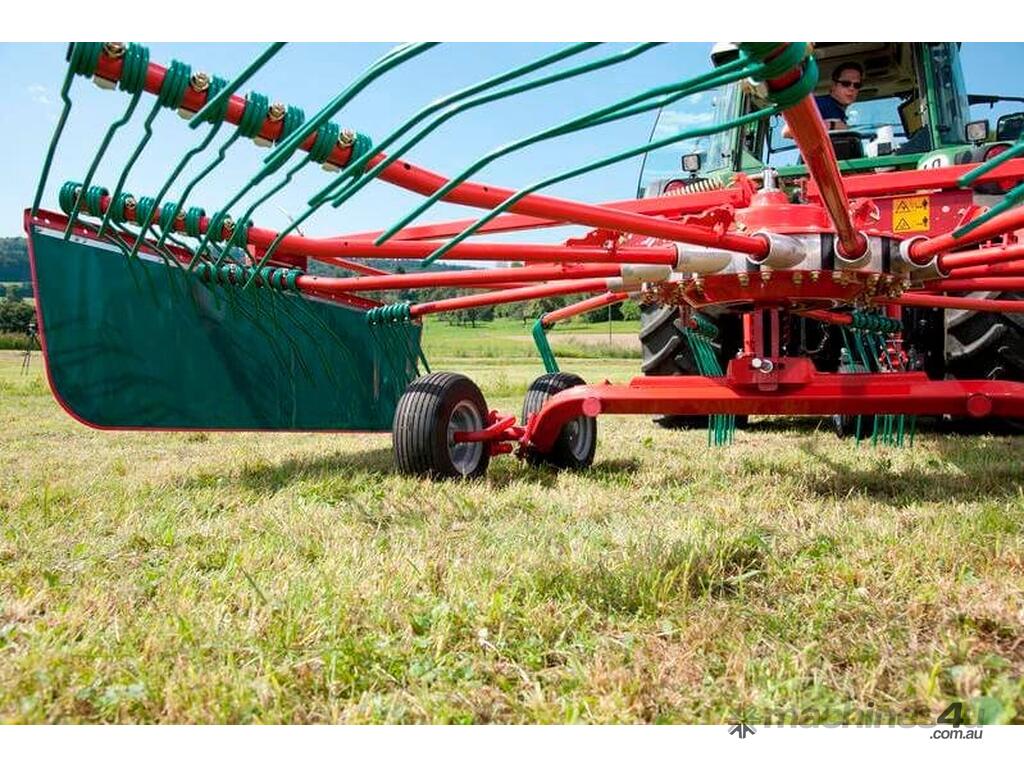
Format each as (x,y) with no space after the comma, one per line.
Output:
(847,79)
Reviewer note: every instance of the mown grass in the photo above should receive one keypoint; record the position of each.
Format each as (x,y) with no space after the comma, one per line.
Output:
(295,578)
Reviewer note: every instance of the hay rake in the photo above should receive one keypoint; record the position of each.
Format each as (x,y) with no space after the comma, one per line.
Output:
(157,314)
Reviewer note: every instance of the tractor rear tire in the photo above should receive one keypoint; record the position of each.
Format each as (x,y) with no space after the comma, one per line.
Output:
(431,410)
(577,441)
(667,353)
(987,345)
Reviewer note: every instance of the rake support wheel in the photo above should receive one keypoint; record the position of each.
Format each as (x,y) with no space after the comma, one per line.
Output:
(577,441)
(432,409)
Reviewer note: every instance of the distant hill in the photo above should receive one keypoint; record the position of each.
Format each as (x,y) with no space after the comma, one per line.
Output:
(14,260)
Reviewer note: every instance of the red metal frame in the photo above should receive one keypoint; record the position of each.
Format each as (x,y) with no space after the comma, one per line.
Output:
(791,387)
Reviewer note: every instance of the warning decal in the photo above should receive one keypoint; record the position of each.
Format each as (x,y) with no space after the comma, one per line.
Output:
(910,214)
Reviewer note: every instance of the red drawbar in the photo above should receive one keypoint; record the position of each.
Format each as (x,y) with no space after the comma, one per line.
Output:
(791,387)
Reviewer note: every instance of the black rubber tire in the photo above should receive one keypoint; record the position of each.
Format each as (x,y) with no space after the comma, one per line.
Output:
(667,353)
(421,426)
(567,452)
(987,345)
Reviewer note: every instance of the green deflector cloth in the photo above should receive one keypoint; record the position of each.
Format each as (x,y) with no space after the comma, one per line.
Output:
(140,343)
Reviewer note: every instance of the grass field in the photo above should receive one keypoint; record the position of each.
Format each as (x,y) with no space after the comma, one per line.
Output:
(294,578)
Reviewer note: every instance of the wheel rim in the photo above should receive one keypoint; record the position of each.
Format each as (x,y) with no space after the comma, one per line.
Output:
(579,434)
(465,457)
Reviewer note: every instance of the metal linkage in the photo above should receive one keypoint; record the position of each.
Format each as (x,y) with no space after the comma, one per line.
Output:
(791,86)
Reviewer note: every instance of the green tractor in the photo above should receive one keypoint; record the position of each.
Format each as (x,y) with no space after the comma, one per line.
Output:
(912,113)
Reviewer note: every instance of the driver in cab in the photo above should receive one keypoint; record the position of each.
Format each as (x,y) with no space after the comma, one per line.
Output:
(847,80)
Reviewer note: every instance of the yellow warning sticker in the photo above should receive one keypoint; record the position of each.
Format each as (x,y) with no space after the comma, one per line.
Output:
(910,214)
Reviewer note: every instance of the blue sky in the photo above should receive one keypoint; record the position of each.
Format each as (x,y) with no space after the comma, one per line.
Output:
(308,75)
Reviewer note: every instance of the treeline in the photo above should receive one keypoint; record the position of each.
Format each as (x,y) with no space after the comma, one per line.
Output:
(15,314)
(523,311)
(14,260)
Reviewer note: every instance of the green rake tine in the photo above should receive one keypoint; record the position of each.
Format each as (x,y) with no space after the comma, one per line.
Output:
(452,112)
(82,60)
(287,146)
(167,185)
(356,166)
(248,127)
(133,80)
(292,226)
(165,232)
(216,88)
(220,157)
(171,92)
(1010,200)
(540,338)
(125,118)
(262,199)
(513,199)
(732,71)
(389,61)
(993,162)
(213,110)
(453,108)
(221,97)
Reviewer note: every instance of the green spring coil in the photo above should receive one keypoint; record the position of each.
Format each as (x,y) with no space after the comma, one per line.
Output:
(281,278)
(144,208)
(134,68)
(360,147)
(324,143)
(94,199)
(216,86)
(176,80)
(118,207)
(293,118)
(67,195)
(168,213)
(215,227)
(705,327)
(84,57)
(791,57)
(785,61)
(791,95)
(389,314)
(192,220)
(255,113)
(240,234)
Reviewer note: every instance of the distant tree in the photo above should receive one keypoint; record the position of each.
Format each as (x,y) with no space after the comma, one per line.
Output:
(15,315)
(630,310)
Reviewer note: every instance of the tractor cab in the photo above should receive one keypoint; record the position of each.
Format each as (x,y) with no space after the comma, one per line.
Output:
(912,112)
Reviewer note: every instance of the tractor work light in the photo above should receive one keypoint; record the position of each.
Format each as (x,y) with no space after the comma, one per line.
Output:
(977,131)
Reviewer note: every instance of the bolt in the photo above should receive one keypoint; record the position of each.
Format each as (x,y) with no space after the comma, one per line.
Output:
(114,50)
(346,138)
(200,81)
(276,112)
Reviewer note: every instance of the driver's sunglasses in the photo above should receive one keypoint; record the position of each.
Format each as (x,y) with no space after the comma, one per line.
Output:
(855,84)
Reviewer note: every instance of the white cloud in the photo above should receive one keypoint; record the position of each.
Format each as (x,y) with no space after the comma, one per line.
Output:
(40,94)
(671,122)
